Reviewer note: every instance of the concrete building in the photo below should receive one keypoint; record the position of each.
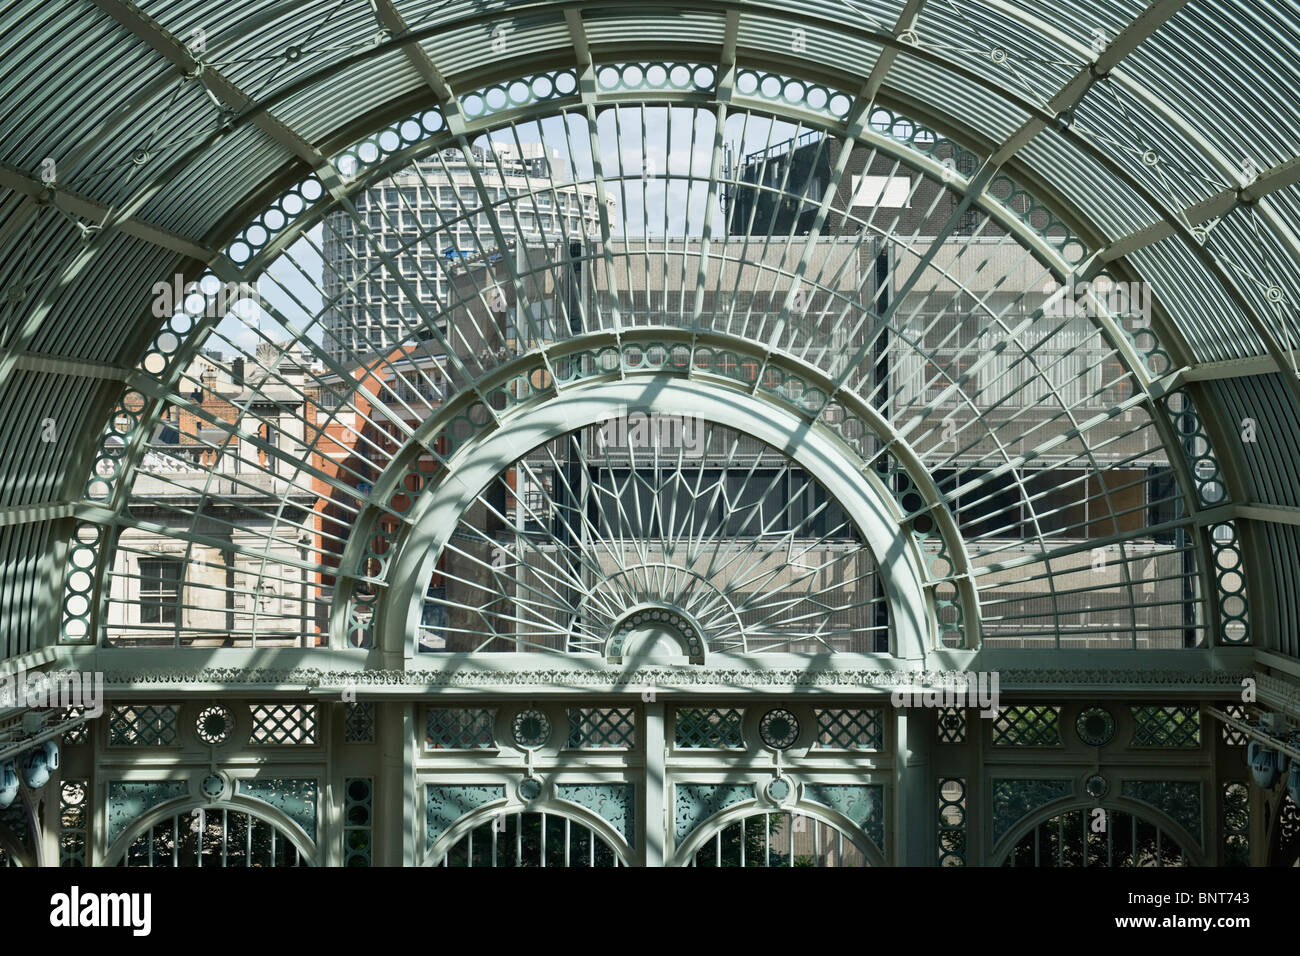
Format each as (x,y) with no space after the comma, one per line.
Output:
(428,217)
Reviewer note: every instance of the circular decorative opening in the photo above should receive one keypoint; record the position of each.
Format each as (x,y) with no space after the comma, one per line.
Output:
(1096,786)
(411,132)
(357,815)
(212,786)
(779,729)
(214,724)
(359,790)
(1095,726)
(531,729)
(530,789)
(1233,606)
(779,790)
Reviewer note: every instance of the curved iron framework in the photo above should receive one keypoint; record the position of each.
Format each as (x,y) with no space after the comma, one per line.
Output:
(969,274)
(1040,375)
(729,81)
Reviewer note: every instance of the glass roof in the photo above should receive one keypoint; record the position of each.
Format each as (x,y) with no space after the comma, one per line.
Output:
(144,141)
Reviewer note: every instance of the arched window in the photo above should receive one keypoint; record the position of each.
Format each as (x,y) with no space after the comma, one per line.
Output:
(963,460)
(1069,839)
(212,837)
(524,839)
(781,838)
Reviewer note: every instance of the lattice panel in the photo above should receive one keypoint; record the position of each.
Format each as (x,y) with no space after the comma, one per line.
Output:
(950,725)
(283,724)
(850,729)
(359,723)
(79,734)
(710,728)
(459,728)
(601,728)
(1172,726)
(1032,725)
(142,725)
(1231,735)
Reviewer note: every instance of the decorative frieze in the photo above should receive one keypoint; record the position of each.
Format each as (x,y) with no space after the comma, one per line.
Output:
(660,678)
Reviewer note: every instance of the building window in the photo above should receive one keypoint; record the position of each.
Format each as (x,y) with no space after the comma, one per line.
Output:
(160,589)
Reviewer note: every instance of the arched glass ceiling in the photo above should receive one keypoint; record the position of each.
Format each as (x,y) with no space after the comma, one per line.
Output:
(157,157)
(1014,434)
